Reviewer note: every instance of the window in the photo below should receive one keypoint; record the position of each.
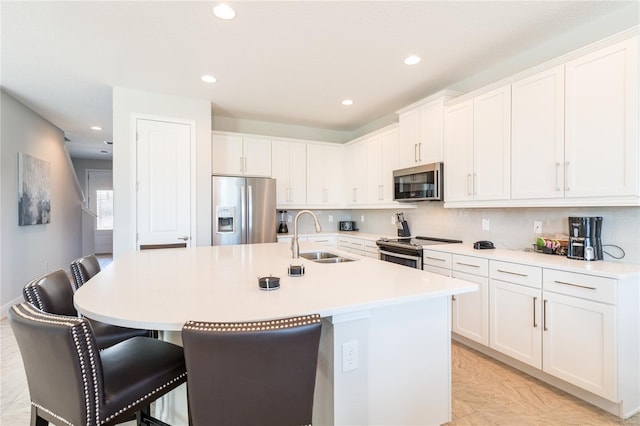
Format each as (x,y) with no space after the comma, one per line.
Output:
(104,208)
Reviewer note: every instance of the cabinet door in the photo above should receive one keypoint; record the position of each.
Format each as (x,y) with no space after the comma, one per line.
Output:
(334,175)
(579,343)
(356,162)
(458,152)
(409,124)
(290,171)
(537,136)
(389,164)
(515,321)
(492,145)
(471,310)
(601,146)
(227,155)
(315,174)
(374,169)
(431,143)
(257,157)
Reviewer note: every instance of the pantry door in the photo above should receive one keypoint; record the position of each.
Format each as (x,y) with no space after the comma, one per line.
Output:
(164,183)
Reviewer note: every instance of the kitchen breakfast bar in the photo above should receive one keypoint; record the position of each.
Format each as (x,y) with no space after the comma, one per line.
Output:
(398,317)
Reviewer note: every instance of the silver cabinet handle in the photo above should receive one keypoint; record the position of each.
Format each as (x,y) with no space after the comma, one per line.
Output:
(557,176)
(435,258)
(575,285)
(512,273)
(467,264)
(535,325)
(185,238)
(415,154)
(544,315)
(420,151)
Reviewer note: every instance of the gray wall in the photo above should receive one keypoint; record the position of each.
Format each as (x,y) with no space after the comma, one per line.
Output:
(29,251)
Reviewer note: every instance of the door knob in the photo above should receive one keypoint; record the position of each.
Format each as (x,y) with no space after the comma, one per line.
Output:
(185,238)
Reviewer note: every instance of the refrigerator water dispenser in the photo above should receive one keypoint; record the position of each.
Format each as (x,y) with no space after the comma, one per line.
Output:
(225,219)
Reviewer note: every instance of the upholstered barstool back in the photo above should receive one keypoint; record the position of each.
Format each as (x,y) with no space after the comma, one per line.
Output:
(83,269)
(72,383)
(53,293)
(253,373)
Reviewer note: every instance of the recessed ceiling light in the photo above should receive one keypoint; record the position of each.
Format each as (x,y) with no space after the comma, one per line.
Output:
(412,60)
(208,79)
(224,11)
(96,128)
(347,102)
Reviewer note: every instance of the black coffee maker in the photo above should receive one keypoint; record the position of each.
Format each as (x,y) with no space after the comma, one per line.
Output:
(584,238)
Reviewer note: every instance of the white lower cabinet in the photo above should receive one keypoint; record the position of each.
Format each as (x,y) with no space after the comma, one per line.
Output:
(471,310)
(361,246)
(579,335)
(515,320)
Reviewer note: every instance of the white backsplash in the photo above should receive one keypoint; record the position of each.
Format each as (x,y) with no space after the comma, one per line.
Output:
(510,228)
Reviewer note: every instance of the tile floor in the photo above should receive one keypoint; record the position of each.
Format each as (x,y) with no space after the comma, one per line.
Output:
(485,392)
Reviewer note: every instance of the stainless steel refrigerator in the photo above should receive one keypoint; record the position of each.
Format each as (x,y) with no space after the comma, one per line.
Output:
(243,210)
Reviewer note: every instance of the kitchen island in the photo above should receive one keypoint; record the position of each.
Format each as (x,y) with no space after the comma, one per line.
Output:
(398,319)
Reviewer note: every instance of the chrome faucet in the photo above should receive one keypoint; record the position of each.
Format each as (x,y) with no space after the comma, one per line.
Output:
(295,248)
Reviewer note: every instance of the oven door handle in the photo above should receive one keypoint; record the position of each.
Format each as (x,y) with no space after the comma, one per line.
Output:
(402,256)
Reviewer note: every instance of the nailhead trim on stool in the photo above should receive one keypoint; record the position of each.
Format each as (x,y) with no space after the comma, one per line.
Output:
(254,326)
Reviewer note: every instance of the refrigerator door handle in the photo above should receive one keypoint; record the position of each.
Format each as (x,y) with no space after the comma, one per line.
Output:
(249,232)
(243,214)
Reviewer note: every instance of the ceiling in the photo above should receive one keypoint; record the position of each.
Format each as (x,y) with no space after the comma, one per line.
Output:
(286,62)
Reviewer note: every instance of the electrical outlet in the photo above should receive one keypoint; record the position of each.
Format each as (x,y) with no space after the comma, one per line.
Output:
(393,220)
(350,356)
(330,218)
(485,224)
(289,218)
(537,227)
(362,218)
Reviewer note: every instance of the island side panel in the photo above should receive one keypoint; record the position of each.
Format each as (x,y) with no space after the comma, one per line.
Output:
(404,366)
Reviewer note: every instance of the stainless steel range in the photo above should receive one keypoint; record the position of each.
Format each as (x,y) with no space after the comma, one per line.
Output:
(407,251)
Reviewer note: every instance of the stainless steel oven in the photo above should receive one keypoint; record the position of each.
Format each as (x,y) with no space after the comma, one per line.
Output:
(407,251)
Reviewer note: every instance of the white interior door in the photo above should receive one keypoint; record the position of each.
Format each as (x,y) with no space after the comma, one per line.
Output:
(100,199)
(163,182)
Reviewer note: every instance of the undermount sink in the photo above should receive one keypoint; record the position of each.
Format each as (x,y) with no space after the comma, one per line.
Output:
(334,260)
(318,255)
(325,257)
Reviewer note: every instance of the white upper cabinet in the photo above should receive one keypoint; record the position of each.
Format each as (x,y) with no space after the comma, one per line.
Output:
(421,134)
(324,175)
(382,160)
(289,162)
(477,148)
(601,145)
(356,171)
(240,155)
(537,136)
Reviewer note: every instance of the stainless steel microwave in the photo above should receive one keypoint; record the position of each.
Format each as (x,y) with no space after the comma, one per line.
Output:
(419,183)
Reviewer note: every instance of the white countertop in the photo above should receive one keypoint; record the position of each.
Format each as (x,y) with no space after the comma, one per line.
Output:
(162,289)
(601,267)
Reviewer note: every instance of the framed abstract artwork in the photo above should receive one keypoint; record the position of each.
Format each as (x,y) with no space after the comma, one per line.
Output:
(34,190)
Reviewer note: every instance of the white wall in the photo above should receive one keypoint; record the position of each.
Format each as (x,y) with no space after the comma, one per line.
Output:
(126,104)
(509,228)
(30,251)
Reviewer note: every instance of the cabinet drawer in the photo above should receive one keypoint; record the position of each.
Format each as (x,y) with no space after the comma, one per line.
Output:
(436,258)
(370,247)
(440,271)
(516,273)
(580,285)
(330,241)
(471,265)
